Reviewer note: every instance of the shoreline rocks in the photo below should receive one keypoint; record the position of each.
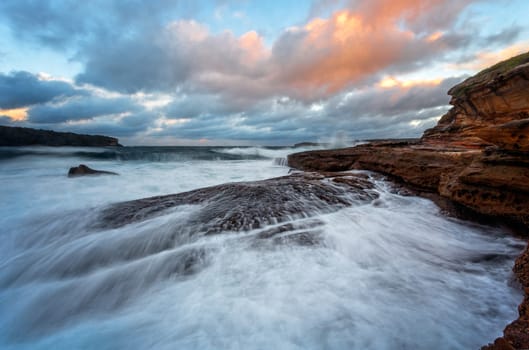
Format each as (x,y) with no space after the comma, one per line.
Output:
(251,205)
(477,157)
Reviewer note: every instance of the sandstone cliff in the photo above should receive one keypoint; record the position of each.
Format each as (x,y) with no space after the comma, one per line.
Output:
(15,136)
(477,157)
(491,108)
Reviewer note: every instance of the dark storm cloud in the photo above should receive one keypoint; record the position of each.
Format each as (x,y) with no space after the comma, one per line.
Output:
(393,101)
(369,113)
(211,127)
(505,36)
(196,105)
(125,127)
(181,55)
(62,23)
(5,120)
(132,65)
(23,89)
(79,108)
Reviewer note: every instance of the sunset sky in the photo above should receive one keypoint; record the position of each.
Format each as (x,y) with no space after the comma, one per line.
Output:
(181,72)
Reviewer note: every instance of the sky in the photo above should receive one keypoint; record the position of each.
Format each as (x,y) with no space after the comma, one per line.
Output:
(242,72)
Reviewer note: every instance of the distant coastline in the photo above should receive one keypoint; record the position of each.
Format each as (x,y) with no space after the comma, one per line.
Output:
(18,136)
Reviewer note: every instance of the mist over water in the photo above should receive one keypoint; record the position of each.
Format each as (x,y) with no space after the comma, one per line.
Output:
(388,273)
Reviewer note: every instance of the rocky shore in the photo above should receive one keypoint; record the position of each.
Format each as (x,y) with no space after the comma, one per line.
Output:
(16,136)
(476,159)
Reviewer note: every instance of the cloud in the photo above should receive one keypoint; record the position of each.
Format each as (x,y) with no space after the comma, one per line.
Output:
(398,111)
(424,16)
(127,126)
(167,75)
(126,52)
(351,47)
(356,44)
(5,120)
(196,105)
(59,24)
(483,59)
(80,108)
(23,89)
(16,114)
(394,100)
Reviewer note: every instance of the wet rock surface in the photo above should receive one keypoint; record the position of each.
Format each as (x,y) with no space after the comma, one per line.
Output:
(477,158)
(252,204)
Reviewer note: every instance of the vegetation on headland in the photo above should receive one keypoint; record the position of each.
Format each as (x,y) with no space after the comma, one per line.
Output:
(488,74)
(17,136)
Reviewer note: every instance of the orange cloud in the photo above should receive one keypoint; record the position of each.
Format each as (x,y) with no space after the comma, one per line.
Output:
(348,47)
(390,82)
(254,49)
(16,114)
(310,62)
(354,45)
(434,36)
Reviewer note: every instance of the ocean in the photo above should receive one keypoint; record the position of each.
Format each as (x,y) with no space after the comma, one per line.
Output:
(387,273)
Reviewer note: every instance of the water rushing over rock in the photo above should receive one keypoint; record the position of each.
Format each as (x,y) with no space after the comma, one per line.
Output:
(249,205)
(304,261)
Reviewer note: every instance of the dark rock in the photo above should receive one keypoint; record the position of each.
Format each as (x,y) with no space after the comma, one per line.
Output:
(252,205)
(499,344)
(16,136)
(307,144)
(83,170)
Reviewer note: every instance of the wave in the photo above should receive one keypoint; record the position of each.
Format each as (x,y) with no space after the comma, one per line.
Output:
(258,152)
(149,154)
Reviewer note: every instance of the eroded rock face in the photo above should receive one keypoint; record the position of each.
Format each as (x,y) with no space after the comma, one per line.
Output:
(477,157)
(491,108)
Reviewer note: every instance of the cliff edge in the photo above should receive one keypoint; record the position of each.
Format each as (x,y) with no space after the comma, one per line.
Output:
(16,136)
(476,157)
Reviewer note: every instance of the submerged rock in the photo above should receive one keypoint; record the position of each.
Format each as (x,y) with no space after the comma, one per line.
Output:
(83,170)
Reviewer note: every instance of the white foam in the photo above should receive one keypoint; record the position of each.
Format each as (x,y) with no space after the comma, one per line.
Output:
(393,273)
(256,151)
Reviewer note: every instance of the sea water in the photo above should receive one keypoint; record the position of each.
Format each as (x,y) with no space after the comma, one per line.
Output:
(391,273)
